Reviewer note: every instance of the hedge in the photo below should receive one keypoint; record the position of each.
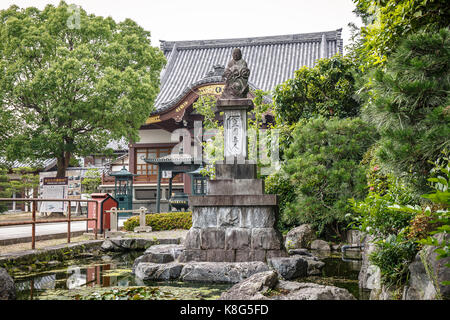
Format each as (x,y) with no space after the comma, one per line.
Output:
(162,221)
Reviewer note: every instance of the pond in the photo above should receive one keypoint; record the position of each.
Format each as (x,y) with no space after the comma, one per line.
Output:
(110,277)
(341,270)
(105,277)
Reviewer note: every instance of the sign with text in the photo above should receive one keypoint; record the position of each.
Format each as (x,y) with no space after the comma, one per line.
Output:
(55,181)
(54,188)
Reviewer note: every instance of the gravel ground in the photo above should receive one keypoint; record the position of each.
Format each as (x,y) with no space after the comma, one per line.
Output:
(167,234)
(39,244)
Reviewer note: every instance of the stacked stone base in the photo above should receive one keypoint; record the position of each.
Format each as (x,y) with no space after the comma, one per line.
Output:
(233,233)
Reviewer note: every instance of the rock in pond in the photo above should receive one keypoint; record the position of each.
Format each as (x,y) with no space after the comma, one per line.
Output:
(254,288)
(289,267)
(7,287)
(428,274)
(320,245)
(126,244)
(301,252)
(300,237)
(221,272)
(266,286)
(157,271)
(162,253)
(290,290)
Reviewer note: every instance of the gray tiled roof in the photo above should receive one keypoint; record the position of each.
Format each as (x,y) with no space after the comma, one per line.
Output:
(118,145)
(45,164)
(272,60)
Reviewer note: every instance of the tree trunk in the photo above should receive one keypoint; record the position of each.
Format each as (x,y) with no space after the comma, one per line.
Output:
(62,164)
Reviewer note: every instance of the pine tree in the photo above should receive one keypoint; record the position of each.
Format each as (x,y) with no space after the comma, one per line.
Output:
(409,105)
(5,188)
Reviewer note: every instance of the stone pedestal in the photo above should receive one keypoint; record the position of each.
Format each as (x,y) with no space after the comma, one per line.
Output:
(235,221)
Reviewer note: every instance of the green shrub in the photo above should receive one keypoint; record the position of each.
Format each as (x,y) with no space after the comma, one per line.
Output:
(402,223)
(162,221)
(376,215)
(278,183)
(323,163)
(393,256)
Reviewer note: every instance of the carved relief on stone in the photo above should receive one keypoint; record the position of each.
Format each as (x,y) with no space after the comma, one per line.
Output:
(236,77)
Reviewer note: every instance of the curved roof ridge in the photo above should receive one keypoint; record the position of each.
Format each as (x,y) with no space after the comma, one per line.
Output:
(217,43)
(272,59)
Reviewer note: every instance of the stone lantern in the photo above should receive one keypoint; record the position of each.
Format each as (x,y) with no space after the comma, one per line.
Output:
(123,188)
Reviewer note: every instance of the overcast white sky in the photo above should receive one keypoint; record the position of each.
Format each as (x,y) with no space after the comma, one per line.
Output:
(173,20)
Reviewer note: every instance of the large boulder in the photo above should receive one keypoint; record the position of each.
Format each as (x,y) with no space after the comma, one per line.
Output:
(221,272)
(355,237)
(266,285)
(320,245)
(310,291)
(315,265)
(290,267)
(300,237)
(162,253)
(369,275)
(254,288)
(126,244)
(157,271)
(7,287)
(427,275)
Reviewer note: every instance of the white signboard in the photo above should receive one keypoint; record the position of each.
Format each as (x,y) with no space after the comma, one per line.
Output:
(54,188)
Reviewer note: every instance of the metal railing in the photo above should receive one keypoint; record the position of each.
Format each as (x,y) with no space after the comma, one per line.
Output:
(69,218)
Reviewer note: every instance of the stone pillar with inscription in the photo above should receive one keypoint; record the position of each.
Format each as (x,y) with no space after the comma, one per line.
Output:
(235,221)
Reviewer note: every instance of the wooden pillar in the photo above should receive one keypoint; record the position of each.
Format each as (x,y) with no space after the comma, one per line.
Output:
(158,191)
(170,192)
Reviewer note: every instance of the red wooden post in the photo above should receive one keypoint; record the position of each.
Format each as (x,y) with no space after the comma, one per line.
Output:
(33,226)
(96,220)
(68,223)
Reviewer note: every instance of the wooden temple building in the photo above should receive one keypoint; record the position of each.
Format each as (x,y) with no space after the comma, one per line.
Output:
(193,69)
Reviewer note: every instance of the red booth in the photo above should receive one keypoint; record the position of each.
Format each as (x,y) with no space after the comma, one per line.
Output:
(104,202)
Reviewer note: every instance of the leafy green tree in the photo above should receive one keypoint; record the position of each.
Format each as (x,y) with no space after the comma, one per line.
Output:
(323,163)
(91,181)
(327,89)
(388,22)
(72,82)
(409,106)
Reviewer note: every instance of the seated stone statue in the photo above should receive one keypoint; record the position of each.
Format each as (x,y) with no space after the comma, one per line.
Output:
(236,77)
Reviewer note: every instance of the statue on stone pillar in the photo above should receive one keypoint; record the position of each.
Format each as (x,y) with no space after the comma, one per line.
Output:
(236,77)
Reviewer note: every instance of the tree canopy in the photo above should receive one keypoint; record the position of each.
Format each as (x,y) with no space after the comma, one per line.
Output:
(322,164)
(387,22)
(327,89)
(70,82)
(409,105)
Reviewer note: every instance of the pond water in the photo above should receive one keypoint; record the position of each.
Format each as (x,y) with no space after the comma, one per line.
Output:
(110,277)
(341,270)
(95,277)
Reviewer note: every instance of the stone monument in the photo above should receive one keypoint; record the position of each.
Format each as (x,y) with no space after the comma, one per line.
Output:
(235,221)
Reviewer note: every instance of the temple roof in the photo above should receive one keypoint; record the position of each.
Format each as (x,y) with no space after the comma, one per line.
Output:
(271,60)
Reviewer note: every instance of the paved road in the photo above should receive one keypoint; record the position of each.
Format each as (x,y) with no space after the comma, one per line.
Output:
(14,232)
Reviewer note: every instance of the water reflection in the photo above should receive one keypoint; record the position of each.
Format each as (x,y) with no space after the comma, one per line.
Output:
(86,273)
(115,271)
